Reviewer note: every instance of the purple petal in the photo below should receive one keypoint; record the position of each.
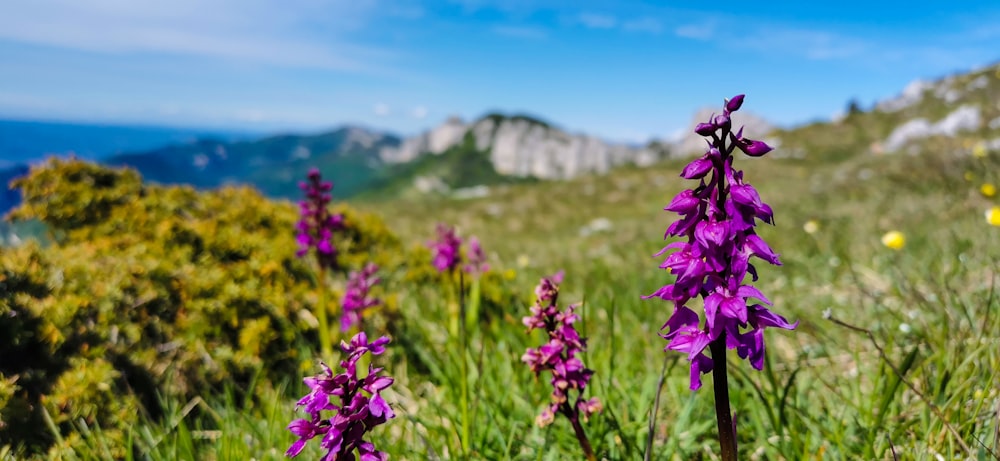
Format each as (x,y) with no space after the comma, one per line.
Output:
(378,407)
(749,291)
(763,317)
(296,448)
(760,249)
(684,203)
(697,169)
(700,365)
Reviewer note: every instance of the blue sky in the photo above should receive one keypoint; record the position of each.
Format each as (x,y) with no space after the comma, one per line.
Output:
(626,71)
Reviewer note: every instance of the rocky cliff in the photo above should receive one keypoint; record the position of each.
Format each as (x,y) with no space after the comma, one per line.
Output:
(527,147)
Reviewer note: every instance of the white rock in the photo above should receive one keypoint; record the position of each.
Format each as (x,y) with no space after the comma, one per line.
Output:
(595,226)
(912,94)
(523,147)
(978,83)
(471,192)
(428,184)
(964,118)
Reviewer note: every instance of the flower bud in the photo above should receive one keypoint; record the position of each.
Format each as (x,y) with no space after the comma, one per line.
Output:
(705,129)
(733,105)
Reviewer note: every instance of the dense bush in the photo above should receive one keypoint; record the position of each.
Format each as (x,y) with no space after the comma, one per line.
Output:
(150,292)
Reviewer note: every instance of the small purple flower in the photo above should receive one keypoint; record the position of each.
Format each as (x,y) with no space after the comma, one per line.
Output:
(717,219)
(477,258)
(357,404)
(356,296)
(316,225)
(558,355)
(446,249)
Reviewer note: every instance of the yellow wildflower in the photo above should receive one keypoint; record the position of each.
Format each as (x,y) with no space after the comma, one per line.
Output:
(993,216)
(988,190)
(894,239)
(811,226)
(968,176)
(979,151)
(523,261)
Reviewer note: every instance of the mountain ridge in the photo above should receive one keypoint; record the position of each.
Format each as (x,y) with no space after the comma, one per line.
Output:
(499,148)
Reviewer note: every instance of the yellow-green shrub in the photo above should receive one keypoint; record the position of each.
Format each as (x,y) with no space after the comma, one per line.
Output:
(155,291)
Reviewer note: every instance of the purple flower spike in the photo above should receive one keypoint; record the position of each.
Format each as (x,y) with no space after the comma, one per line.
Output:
(447,256)
(477,258)
(316,225)
(717,222)
(357,406)
(558,355)
(356,297)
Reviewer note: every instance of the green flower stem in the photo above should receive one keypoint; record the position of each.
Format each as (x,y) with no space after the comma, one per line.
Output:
(472,315)
(326,347)
(464,338)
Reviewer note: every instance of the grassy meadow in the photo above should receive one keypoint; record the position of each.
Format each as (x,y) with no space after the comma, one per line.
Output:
(896,356)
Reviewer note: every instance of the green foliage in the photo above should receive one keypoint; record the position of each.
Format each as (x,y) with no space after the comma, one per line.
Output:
(153,291)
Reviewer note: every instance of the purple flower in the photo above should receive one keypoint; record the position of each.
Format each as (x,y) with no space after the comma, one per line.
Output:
(558,355)
(477,258)
(356,297)
(316,225)
(357,406)
(446,249)
(717,222)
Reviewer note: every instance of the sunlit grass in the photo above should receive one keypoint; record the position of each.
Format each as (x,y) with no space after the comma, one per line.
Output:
(923,384)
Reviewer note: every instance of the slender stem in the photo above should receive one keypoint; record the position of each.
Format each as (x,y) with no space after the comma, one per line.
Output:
(464,337)
(723,415)
(582,437)
(656,407)
(326,348)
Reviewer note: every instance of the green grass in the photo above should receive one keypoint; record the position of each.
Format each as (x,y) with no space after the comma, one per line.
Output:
(923,384)
(826,393)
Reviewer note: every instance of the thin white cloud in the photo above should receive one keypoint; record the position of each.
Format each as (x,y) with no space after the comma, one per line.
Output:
(532,33)
(258,31)
(815,45)
(419,112)
(701,31)
(382,110)
(645,24)
(597,21)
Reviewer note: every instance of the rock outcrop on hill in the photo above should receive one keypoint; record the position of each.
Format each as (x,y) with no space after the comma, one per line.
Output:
(527,147)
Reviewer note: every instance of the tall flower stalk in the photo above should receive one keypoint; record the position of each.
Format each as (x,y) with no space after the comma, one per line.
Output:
(315,233)
(356,403)
(357,297)
(716,225)
(447,259)
(475,267)
(558,356)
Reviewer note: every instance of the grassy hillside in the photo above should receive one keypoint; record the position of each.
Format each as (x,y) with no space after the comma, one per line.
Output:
(913,376)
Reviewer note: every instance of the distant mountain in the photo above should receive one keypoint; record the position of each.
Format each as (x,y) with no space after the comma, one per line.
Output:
(349,156)
(26,141)
(461,158)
